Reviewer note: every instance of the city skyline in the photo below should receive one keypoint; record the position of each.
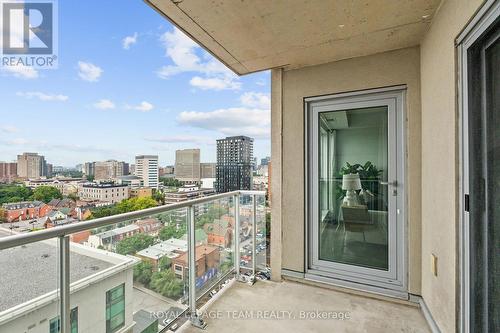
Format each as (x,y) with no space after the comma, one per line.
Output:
(132,84)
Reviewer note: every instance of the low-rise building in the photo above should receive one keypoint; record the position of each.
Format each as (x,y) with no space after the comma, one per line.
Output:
(207,258)
(219,233)
(26,210)
(143,192)
(107,192)
(187,192)
(150,226)
(109,239)
(170,248)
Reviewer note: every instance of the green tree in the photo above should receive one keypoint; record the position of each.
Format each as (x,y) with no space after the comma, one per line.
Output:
(164,263)
(125,206)
(171,182)
(159,197)
(14,193)
(143,273)
(134,244)
(46,193)
(167,284)
(171,231)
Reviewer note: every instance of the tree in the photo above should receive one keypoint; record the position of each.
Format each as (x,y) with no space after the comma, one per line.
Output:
(167,284)
(46,193)
(143,273)
(125,206)
(159,197)
(171,231)
(14,193)
(164,263)
(134,244)
(171,182)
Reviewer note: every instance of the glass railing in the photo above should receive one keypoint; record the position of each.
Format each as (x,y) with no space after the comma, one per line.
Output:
(134,269)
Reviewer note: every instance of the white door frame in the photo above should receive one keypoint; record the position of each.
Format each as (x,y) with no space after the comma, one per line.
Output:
(394,281)
(478,25)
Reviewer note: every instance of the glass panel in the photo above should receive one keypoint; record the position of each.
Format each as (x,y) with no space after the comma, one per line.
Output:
(262,217)
(246,236)
(484,181)
(214,235)
(353,190)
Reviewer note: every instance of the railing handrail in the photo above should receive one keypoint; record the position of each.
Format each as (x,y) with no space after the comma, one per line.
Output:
(32,237)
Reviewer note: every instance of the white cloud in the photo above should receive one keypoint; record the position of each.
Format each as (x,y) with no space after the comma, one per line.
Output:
(143,107)
(17,142)
(9,129)
(42,96)
(129,40)
(22,72)
(104,104)
(89,72)
(233,121)
(215,83)
(182,51)
(256,100)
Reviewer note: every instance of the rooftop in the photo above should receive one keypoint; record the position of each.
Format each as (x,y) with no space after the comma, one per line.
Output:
(165,248)
(38,260)
(23,204)
(117,231)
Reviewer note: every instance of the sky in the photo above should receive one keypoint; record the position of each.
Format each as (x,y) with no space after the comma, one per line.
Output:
(128,83)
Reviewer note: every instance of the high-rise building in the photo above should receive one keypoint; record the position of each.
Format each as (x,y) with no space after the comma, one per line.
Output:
(109,169)
(234,164)
(88,169)
(187,165)
(265,160)
(146,167)
(8,171)
(207,170)
(31,165)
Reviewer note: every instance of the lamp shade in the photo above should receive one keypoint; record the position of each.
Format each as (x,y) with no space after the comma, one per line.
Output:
(351,182)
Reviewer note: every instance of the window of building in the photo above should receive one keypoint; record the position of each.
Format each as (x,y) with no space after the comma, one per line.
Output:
(115,309)
(55,323)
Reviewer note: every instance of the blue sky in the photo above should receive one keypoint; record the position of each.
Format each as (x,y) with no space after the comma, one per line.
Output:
(128,83)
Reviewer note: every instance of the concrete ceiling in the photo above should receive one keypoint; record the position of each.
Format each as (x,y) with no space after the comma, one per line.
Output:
(254,35)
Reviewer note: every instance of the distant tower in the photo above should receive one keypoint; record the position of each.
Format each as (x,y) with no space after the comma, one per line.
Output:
(234,164)
(146,167)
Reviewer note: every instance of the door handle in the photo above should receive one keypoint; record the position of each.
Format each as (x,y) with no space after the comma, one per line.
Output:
(393,183)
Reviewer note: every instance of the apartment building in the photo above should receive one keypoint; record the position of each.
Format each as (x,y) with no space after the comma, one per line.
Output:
(146,168)
(110,169)
(208,170)
(8,171)
(32,165)
(234,164)
(101,283)
(105,192)
(187,165)
(108,239)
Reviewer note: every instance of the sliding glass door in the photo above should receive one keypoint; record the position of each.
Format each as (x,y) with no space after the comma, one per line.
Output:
(481,236)
(355,188)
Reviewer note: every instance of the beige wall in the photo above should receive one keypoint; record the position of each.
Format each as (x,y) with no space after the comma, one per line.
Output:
(440,160)
(375,71)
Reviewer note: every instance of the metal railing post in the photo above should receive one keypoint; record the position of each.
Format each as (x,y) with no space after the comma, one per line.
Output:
(64,282)
(237,256)
(254,237)
(195,319)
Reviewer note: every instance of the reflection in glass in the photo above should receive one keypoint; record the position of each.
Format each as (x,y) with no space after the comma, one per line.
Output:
(353,193)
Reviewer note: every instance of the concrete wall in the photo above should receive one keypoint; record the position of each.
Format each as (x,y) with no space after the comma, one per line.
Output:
(440,160)
(375,71)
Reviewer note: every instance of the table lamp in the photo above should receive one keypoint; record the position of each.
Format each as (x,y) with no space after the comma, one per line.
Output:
(351,183)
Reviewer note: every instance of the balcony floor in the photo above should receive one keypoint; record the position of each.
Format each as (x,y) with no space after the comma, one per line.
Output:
(366,314)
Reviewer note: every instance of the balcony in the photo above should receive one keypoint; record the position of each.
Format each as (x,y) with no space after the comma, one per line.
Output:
(122,274)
